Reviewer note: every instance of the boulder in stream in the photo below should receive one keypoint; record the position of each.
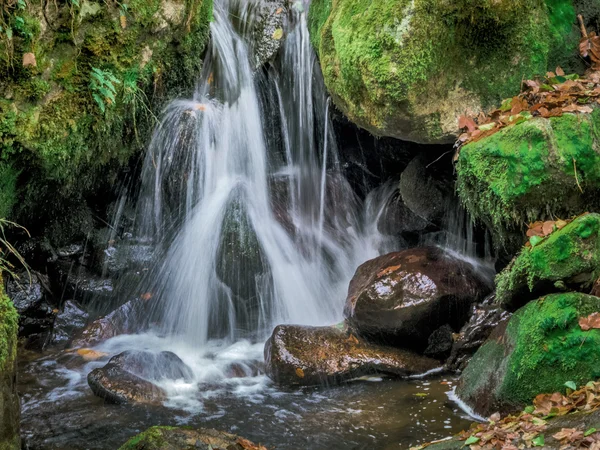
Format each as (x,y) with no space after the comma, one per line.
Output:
(70,319)
(403,297)
(176,438)
(306,356)
(128,377)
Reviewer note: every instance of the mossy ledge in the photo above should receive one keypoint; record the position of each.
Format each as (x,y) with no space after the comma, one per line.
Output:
(541,348)
(409,68)
(536,170)
(9,400)
(64,140)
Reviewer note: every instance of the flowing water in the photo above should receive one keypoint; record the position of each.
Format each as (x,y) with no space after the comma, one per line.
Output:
(254,225)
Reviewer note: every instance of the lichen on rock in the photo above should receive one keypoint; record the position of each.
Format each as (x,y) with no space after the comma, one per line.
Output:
(9,400)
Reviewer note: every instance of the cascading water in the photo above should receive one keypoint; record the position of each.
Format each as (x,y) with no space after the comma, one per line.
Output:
(257,225)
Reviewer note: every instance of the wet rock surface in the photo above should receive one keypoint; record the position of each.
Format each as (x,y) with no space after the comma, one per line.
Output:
(175,438)
(267,39)
(485,317)
(403,297)
(128,318)
(128,376)
(297,355)
(70,319)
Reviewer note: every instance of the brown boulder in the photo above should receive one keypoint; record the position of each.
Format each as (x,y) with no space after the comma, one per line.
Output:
(403,297)
(298,355)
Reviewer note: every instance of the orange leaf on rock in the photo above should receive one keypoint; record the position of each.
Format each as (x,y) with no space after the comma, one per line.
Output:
(548,228)
(590,322)
(468,123)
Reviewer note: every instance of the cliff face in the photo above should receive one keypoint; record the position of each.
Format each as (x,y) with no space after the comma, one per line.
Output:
(81,85)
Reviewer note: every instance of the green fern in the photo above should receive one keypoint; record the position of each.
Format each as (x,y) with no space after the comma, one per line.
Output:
(102,84)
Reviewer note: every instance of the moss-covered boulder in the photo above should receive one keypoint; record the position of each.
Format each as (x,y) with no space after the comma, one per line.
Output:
(183,438)
(540,349)
(409,68)
(81,85)
(538,169)
(568,258)
(9,400)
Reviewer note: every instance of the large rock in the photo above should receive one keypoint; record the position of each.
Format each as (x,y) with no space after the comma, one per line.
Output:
(568,258)
(129,377)
(174,438)
(409,68)
(9,399)
(297,355)
(537,351)
(70,319)
(536,170)
(402,298)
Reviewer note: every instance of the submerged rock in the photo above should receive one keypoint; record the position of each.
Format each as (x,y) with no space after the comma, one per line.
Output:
(398,67)
(126,319)
(9,399)
(70,319)
(298,355)
(128,377)
(537,351)
(402,298)
(174,438)
(485,317)
(538,169)
(567,259)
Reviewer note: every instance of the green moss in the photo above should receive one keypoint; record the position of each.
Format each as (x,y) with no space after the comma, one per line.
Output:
(404,68)
(568,255)
(532,170)
(9,403)
(152,438)
(8,331)
(8,182)
(542,348)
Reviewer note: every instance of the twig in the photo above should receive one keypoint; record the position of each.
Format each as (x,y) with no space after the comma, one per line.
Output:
(582,27)
(576,178)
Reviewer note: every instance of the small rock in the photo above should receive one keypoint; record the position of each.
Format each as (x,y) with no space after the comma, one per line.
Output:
(440,343)
(69,320)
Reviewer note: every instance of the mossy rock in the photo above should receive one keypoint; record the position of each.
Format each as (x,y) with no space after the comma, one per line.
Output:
(537,169)
(569,257)
(9,400)
(184,438)
(409,68)
(540,349)
(64,141)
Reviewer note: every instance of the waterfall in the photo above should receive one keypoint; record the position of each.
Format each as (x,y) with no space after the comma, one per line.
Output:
(242,191)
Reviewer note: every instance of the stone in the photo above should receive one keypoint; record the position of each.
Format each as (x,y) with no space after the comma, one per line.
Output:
(70,319)
(526,172)
(568,259)
(403,297)
(537,351)
(174,438)
(485,317)
(440,343)
(409,68)
(307,356)
(268,31)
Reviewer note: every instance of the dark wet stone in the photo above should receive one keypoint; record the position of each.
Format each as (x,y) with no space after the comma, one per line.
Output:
(128,318)
(115,255)
(70,319)
(402,298)
(78,282)
(70,251)
(485,317)
(154,366)
(297,355)
(243,370)
(270,18)
(116,385)
(440,343)
(32,298)
(397,219)
(174,438)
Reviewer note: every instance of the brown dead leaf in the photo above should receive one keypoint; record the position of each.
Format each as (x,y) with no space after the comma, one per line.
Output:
(299,373)
(590,322)
(468,123)
(90,355)
(29,60)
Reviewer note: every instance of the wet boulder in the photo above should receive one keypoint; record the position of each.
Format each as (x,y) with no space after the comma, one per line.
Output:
(306,356)
(567,259)
(174,438)
(9,399)
(403,297)
(77,281)
(33,301)
(129,377)
(70,319)
(537,351)
(127,318)
(397,219)
(268,30)
(485,317)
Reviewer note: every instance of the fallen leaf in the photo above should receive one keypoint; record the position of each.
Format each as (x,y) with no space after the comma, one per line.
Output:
(590,322)
(300,372)
(90,355)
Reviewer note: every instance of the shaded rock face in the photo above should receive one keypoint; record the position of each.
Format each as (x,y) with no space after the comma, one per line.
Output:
(485,317)
(402,298)
(33,302)
(266,41)
(397,219)
(127,378)
(537,351)
(173,438)
(306,356)
(125,319)
(70,319)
